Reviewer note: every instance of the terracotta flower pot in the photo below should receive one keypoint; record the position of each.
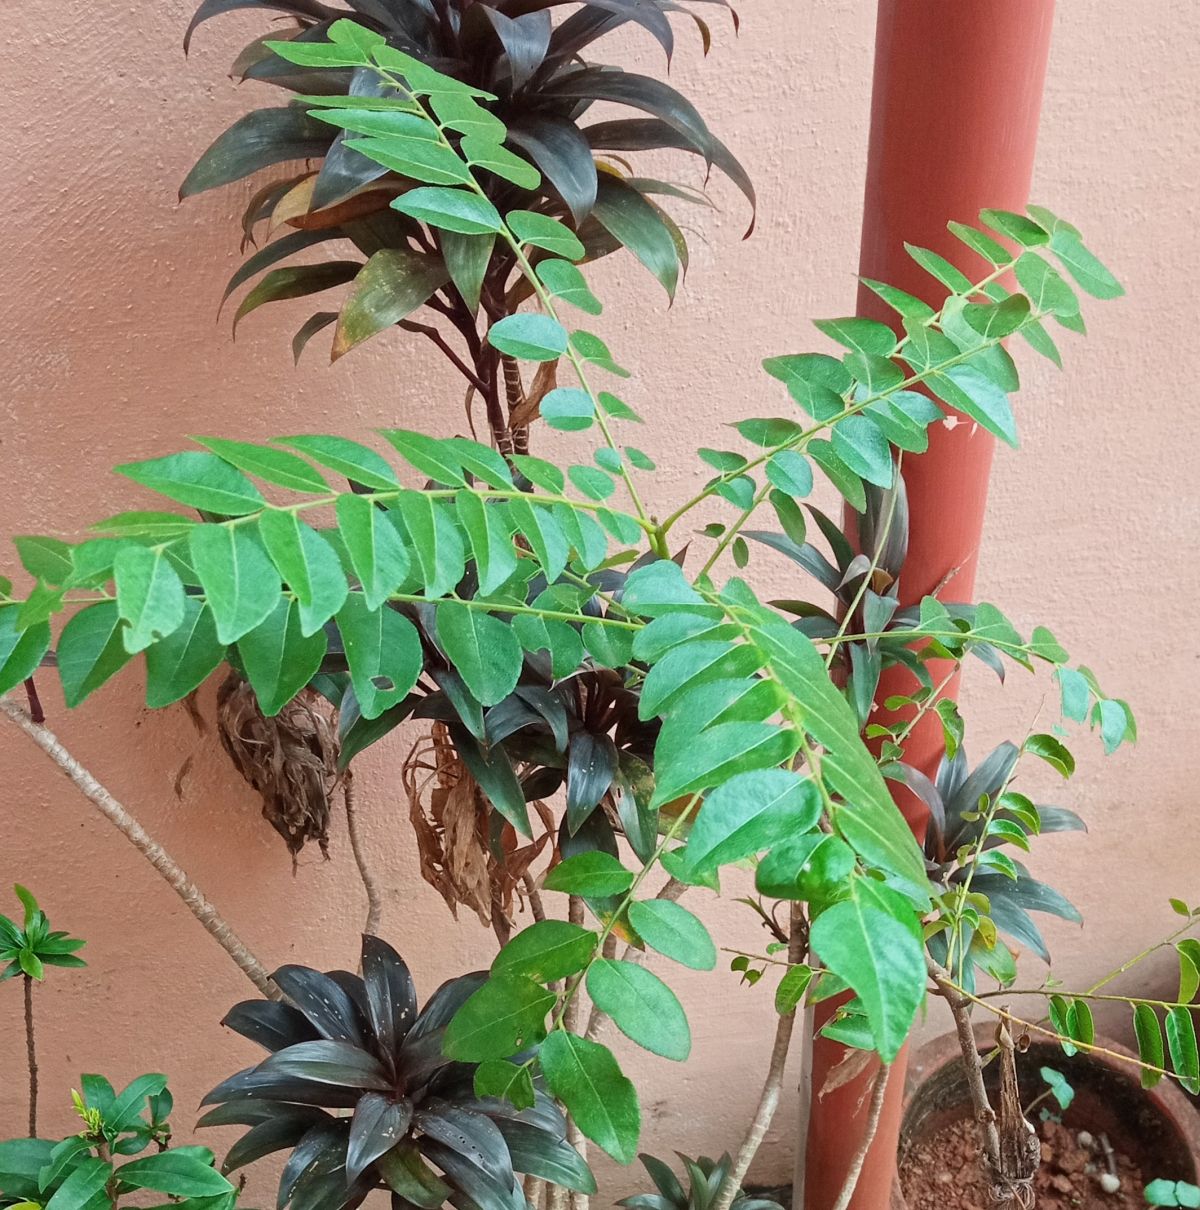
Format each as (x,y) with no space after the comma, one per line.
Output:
(1159,1130)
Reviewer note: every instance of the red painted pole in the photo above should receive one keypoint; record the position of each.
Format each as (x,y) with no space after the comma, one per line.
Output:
(954,116)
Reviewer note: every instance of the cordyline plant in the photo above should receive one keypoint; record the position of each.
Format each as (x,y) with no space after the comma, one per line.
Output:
(516,100)
(530,134)
(486,592)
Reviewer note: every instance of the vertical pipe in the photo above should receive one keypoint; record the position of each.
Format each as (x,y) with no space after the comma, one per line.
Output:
(954,116)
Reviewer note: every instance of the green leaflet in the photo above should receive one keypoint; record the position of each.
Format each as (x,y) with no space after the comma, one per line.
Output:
(279,658)
(506,1015)
(601,1100)
(434,539)
(749,813)
(275,466)
(547,950)
(643,1007)
(377,552)
(308,564)
(881,959)
(21,649)
(529,336)
(490,539)
(691,664)
(356,462)
(240,583)
(384,652)
(199,479)
(483,650)
(90,650)
(686,763)
(1149,1041)
(590,875)
(149,596)
(500,1078)
(674,932)
(185,658)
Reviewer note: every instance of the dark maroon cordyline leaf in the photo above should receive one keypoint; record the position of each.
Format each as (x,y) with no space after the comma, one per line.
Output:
(525,40)
(391,996)
(340,1064)
(646,93)
(644,134)
(274,1134)
(563,156)
(253,1084)
(250,1112)
(486,1193)
(257,140)
(214,8)
(591,767)
(269,1023)
(331,1011)
(471,1135)
(320,1153)
(379,1123)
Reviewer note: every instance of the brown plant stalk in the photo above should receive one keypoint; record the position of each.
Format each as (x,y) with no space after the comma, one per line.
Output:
(31,1056)
(768,1100)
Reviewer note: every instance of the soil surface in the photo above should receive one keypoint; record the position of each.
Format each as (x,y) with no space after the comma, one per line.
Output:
(943,1173)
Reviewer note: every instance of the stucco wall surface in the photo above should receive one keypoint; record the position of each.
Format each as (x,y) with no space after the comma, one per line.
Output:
(112,352)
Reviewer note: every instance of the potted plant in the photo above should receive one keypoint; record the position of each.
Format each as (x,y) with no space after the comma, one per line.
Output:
(560,633)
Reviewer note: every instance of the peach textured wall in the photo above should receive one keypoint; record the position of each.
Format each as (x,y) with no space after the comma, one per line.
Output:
(107,305)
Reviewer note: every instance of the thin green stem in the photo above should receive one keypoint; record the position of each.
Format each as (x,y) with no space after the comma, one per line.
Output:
(619,911)
(732,532)
(801,440)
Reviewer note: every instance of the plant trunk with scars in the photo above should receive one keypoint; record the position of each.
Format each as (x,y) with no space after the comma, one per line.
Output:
(768,1101)
(874,1113)
(212,920)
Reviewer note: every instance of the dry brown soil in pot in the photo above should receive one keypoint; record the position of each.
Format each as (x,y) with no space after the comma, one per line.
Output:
(944,1173)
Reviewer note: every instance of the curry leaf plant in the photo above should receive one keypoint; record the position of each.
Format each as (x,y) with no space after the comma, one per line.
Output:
(517,100)
(450,582)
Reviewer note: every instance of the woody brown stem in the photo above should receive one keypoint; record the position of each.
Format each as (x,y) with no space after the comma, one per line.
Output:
(359,849)
(31,1057)
(210,919)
